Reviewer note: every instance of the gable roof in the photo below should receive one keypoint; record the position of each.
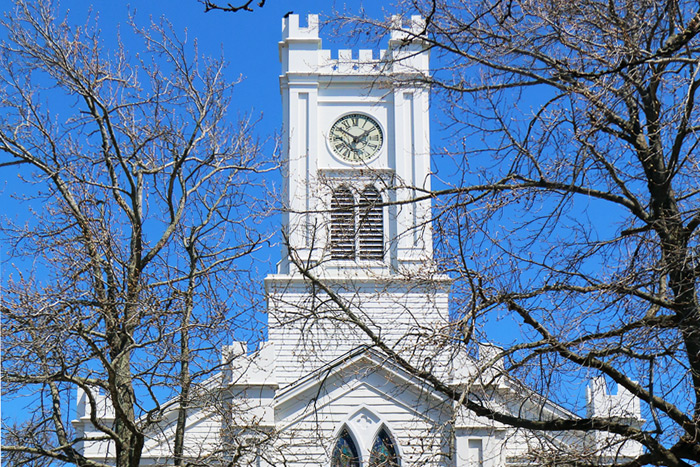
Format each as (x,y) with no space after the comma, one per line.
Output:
(363,356)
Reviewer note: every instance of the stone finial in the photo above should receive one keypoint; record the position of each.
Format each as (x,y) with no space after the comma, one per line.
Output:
(621,406)
(103,406)
(254,369)
(600,403)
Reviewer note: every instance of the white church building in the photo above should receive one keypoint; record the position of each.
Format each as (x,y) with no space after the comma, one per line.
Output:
(356,309)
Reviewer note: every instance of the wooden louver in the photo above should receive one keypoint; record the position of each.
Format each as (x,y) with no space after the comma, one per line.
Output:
(371,225)
(343,224)
(357,229)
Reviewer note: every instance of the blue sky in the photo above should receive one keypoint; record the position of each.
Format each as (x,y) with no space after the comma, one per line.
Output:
(248,42)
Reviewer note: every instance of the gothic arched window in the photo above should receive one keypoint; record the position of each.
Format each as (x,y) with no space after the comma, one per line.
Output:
(371,225)
(343,224)
(345,452)
(383,451)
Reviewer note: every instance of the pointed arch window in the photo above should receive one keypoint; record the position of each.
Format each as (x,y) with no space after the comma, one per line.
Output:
(357,225)
(345,453)
(343,224)
(383,451)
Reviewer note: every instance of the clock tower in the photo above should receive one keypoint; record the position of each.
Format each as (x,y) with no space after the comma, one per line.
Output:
(347,127)
(357,168)
(356,288)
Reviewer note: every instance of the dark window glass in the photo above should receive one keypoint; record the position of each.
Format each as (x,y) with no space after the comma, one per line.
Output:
(345,452)
(383,451)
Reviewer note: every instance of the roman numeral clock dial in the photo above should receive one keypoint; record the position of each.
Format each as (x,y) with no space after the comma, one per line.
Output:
(356,138)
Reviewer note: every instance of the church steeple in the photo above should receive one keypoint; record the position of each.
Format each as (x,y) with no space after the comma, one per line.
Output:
(357,148)
(357,156)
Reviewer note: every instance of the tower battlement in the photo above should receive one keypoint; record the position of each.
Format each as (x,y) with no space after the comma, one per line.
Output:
(292,30)
(365,63)
(403,29)
(301,51)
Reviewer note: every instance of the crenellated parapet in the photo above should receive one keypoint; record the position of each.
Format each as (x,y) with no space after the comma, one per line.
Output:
(292,31)
(406,30)
(346,64)
(301,51)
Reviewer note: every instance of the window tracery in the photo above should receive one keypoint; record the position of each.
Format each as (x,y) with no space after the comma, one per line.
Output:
(383,452)
(345,453)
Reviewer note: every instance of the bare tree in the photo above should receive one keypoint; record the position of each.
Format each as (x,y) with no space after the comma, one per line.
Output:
(139,197)
(570,207)
(228,7)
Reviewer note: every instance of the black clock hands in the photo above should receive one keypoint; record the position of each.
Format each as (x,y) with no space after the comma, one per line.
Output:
(355,137)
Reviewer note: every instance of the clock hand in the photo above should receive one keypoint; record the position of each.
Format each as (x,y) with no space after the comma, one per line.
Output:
(355,139)
(350,145)
(364,135)
(347,133)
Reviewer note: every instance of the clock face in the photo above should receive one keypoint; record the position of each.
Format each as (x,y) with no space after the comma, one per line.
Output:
(356,138)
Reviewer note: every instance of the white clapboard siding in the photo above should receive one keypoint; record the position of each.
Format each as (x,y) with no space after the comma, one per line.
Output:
(309,332)
(363,398)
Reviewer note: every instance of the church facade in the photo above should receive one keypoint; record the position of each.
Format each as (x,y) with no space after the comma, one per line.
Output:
(356,309)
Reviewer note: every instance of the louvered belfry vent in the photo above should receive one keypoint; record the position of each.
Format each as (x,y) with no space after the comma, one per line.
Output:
(343,224)
(357,224)
(371,225)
